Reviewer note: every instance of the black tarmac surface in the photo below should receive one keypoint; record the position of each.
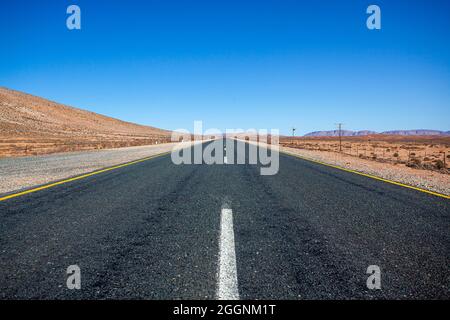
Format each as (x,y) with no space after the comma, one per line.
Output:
(151,231)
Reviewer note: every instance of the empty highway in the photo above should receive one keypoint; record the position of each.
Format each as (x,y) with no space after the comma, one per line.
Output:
(156,230)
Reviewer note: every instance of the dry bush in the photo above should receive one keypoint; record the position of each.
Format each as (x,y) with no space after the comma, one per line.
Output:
(414,163)
(439,164)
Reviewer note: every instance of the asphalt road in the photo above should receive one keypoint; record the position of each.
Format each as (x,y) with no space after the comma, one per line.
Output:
(152,230)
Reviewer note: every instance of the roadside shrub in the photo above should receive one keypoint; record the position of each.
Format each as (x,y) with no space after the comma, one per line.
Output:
(439,164)
(414,163)
(395,154)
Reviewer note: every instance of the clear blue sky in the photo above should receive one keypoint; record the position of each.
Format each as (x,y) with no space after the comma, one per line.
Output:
(236,64)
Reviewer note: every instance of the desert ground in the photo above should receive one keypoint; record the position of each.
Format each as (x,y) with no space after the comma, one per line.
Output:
(419,152)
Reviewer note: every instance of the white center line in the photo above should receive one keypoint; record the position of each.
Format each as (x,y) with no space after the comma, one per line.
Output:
(227,288)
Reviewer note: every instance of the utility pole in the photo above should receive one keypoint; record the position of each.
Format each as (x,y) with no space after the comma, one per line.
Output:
(445,165)
(340,135)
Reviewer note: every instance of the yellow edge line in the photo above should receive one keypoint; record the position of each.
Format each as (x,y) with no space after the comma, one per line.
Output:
(369,176)
(47,186)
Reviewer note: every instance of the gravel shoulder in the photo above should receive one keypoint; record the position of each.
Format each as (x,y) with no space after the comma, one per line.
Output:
(425,179)
(429,180)
(22,173)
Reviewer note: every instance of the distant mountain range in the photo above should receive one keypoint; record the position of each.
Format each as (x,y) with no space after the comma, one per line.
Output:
(349,133)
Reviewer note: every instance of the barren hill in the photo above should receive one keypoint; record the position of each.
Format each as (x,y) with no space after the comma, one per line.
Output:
(32,125)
